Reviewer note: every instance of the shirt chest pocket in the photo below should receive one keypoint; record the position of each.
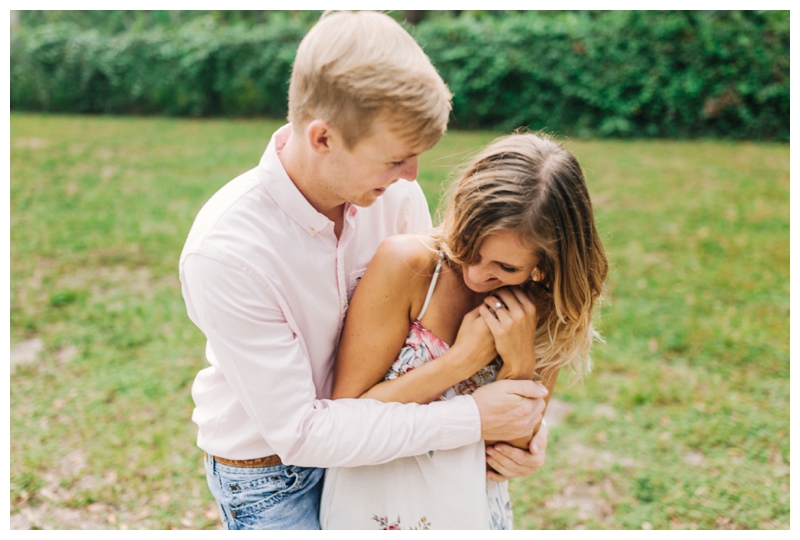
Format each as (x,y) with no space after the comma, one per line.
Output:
(352,281)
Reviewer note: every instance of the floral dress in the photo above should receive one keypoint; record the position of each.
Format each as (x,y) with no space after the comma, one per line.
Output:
(422,346)
(445,489)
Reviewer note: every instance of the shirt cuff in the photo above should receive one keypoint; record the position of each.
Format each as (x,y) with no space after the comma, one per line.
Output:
(460,421)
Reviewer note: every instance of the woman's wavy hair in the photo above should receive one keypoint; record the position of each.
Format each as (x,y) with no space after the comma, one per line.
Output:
(533,186)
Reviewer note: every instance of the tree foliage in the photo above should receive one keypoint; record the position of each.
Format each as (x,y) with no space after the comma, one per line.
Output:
(618,73)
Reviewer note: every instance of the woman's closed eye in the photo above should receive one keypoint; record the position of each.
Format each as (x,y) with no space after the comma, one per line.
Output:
(506,268)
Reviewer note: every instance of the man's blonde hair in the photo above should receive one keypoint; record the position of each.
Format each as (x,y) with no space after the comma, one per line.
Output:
(353,68)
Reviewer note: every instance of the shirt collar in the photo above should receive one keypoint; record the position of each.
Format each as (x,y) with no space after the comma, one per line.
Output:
(350,211)
(284,192)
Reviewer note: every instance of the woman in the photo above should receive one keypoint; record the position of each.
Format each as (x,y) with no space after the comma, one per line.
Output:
(515,270)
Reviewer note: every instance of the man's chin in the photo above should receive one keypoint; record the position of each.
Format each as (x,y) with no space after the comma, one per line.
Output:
(375,193)
(368,199)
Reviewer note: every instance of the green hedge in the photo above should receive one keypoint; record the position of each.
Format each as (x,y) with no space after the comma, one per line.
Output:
(622,74)
(674,74)
(197,69)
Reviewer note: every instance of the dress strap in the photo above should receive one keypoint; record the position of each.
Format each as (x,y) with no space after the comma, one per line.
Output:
(436,273)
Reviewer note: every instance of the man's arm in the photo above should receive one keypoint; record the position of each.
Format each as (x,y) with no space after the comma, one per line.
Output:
(506,461)
(263,360)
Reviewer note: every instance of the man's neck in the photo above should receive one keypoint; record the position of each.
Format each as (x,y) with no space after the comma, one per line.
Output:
(300,166)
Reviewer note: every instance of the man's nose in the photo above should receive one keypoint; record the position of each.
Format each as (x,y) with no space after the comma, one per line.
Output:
(410,169)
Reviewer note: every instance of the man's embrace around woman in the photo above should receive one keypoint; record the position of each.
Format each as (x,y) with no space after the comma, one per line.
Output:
(272,261)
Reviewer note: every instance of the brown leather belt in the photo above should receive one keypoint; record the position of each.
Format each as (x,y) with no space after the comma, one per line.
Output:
(257,463)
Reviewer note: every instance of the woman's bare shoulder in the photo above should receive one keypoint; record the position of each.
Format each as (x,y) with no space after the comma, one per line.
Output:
(408,254)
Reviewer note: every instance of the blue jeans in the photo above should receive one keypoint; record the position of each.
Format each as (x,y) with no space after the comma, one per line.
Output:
(281,497)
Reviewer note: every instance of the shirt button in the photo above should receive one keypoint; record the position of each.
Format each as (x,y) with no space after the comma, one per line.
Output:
(312,230)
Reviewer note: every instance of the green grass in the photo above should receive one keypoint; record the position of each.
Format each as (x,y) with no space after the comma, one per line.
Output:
(684,422)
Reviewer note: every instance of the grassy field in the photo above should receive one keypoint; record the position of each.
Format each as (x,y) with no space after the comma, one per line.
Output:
(684,422)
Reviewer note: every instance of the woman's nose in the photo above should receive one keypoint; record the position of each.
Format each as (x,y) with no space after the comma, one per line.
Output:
(479,273)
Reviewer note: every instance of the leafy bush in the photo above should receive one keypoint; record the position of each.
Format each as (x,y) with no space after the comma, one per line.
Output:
(618,73)
(110,21)
(196,69)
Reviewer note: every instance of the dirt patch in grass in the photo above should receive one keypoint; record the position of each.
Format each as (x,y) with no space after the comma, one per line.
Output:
(30,142)
(557,411)
(61,484)
(26,352)
(55,508)
(593,500)
(589,501)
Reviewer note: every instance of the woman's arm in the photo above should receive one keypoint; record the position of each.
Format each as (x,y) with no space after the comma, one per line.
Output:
(514,327)
(377,324)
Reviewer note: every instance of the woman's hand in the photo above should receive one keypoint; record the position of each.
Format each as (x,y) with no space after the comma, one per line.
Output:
(513,325)
(475,337)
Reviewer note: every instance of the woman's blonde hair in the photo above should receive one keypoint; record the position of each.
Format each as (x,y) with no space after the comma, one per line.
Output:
(352,68)
(533,186)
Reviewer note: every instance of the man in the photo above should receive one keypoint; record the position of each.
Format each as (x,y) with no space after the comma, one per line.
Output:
(274,256)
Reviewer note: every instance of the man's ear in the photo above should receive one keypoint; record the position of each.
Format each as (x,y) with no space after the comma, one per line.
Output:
(319,134)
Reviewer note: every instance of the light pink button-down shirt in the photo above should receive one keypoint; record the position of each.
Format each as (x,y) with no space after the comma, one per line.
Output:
(267,281)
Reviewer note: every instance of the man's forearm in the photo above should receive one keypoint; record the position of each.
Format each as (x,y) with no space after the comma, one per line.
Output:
(355,432)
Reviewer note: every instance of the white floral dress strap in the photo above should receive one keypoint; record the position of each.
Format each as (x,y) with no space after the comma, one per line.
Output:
(432,286)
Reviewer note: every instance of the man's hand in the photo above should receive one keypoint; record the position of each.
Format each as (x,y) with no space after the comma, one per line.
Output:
(509,409)
(506,461)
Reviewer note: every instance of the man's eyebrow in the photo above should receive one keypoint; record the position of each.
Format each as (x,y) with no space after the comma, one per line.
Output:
(405,158)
